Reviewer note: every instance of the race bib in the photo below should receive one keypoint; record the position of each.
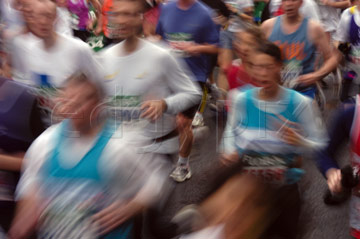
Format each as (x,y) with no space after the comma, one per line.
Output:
(126,109)
(291,73)
(178,42)
(270,168)
(67,220)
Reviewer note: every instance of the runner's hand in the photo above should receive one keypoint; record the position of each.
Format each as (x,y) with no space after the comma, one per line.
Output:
(97,30)
(192,50)
(229,159)
(153,109)
(333,176)
(307,79)
(114,215)
(290,132)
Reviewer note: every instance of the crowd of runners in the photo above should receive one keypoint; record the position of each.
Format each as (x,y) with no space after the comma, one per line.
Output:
(99,98)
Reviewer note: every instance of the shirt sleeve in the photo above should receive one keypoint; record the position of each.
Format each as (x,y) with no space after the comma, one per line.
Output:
(89,65)
(235,113)
(339,133)
(33,161)
(185,93)
(342,32)
(309,118)
(210,34)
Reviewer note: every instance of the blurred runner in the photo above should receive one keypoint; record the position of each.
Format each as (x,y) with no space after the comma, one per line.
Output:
(187,27)
(49,58)
(84,177)
(240,19)
(299,38)
(269,129)
(348,32)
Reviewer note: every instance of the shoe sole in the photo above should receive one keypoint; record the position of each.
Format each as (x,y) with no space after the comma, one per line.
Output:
(188,176)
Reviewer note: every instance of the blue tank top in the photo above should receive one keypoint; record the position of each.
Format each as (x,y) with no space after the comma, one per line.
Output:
(298,52)
(263,152)
(73,195)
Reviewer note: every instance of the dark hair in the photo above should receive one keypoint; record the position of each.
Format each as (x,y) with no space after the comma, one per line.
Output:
(79,78)
(270,49)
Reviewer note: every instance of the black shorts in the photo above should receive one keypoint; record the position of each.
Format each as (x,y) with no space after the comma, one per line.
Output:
(191,112)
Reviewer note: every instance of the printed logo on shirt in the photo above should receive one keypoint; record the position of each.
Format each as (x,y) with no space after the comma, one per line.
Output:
(293,50)
(45,91)
(126,108)
(178,42)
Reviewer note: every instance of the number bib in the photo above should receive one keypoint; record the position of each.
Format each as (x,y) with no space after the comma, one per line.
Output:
(270,168)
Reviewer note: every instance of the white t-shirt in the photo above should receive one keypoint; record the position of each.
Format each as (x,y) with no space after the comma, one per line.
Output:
(330,17)
(308,9)
(150,73)
(33,63)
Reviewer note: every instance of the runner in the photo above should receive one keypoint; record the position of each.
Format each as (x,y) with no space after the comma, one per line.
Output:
(345,128)
(49,58)
(299,39)
(241,18)
(84,178)
(308,9)
(269,129)
(245,42)
(15,140)
(347,32)
(186,25)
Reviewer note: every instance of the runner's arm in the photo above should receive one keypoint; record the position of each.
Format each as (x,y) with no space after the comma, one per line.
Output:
(11,162)
(267,27)
(185,93)
(338,4)
(339,133)
(26,217)
(330,55)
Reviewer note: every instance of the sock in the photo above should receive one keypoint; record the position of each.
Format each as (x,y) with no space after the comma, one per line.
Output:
(183,161)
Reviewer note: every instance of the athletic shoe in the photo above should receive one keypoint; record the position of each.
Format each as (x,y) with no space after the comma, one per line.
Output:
(187,218)
(181,173)
(198,120)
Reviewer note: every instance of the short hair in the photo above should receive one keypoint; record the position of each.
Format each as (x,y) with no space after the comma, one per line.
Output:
(81,78)
(270,49)
(256,32)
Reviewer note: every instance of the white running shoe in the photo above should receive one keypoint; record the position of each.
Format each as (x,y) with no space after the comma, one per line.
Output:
(181,173)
